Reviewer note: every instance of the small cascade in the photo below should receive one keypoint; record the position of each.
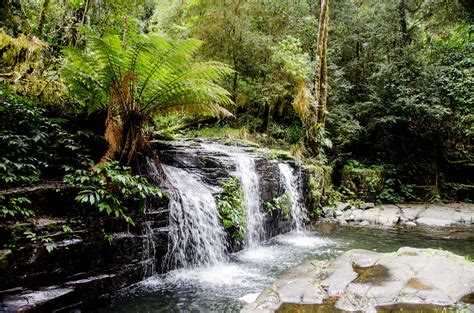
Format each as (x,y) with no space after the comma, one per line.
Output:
(196,235)
(149,249)
(248,176)
(247,173)
(299,215)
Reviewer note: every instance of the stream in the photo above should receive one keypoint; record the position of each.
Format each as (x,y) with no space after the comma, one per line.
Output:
(217,288)
(200,275)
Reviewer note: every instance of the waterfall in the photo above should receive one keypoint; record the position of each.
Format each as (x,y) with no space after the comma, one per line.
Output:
(299,214)
(196,235)
(247,173)
(248,176)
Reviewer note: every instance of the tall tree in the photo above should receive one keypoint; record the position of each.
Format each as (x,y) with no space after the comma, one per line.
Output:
(316,117)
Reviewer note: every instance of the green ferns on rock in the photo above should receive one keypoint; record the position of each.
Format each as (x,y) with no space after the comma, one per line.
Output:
(280,205)
(110,187)
(231,206)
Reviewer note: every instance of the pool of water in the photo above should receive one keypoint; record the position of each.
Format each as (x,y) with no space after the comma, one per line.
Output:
(219,288)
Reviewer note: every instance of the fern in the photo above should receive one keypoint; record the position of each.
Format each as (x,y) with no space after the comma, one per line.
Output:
(141,78)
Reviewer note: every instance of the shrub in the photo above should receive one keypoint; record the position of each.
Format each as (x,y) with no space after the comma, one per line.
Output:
(230,204)
(281,205)
(110,187)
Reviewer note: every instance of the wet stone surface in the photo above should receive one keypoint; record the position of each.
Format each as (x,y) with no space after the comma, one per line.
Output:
(365,281)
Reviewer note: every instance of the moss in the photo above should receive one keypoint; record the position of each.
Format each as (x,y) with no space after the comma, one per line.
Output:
(4,258)
(218,132)
(274,154)
(319,186)
(240,142)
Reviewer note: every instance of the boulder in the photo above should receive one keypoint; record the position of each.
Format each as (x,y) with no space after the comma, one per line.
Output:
(367,205)
(342,206)
(329,211)
(366,281)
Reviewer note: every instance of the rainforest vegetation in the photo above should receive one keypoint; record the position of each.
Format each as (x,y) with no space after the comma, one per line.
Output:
(380,91)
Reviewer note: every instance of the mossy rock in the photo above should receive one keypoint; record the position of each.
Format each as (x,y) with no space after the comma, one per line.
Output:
(4,258)
(275,154)
(319,185)
(240,143)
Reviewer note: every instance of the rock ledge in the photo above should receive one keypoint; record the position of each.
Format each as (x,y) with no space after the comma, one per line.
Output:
(361,280)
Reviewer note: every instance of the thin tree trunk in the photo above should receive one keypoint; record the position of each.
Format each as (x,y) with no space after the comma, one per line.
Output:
(42,18)
(316,118)
(403,23)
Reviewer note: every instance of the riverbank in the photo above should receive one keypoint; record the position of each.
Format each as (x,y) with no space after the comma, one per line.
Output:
(401,215)
(223,287)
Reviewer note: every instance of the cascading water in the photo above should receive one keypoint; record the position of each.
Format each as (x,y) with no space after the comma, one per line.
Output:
(196,235)
(149,248)
(299,215)
(247,173)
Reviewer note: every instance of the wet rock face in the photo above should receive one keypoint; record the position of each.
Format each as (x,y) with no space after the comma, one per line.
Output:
(213,163)
(83,265)
(361,280)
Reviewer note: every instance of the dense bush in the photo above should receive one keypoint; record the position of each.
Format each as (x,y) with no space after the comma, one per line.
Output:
(110,187)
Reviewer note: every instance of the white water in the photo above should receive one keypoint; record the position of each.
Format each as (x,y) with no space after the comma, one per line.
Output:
(196,235)
(247,174)
(299,215)
(219,287)
(149,250)
(254,232)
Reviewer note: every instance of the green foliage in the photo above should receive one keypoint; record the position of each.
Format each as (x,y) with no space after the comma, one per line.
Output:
(356,176)
(14,206)
(24,137)
(165,77)
(46,241)
(389,193)
(356,202)
(31,143)
(334,197)
(109,188)
(107,237)
(231,206)
(280,205)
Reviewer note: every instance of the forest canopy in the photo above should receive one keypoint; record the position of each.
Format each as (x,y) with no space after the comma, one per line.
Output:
(396,79)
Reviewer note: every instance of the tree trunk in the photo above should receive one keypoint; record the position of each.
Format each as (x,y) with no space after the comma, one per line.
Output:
(403,23)
(117,125)
(316,118)
(42,17)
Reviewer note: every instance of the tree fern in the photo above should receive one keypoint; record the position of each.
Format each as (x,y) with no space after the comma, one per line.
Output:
(141,78)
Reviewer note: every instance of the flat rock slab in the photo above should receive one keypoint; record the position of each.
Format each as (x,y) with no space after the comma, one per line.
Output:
(361,280)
